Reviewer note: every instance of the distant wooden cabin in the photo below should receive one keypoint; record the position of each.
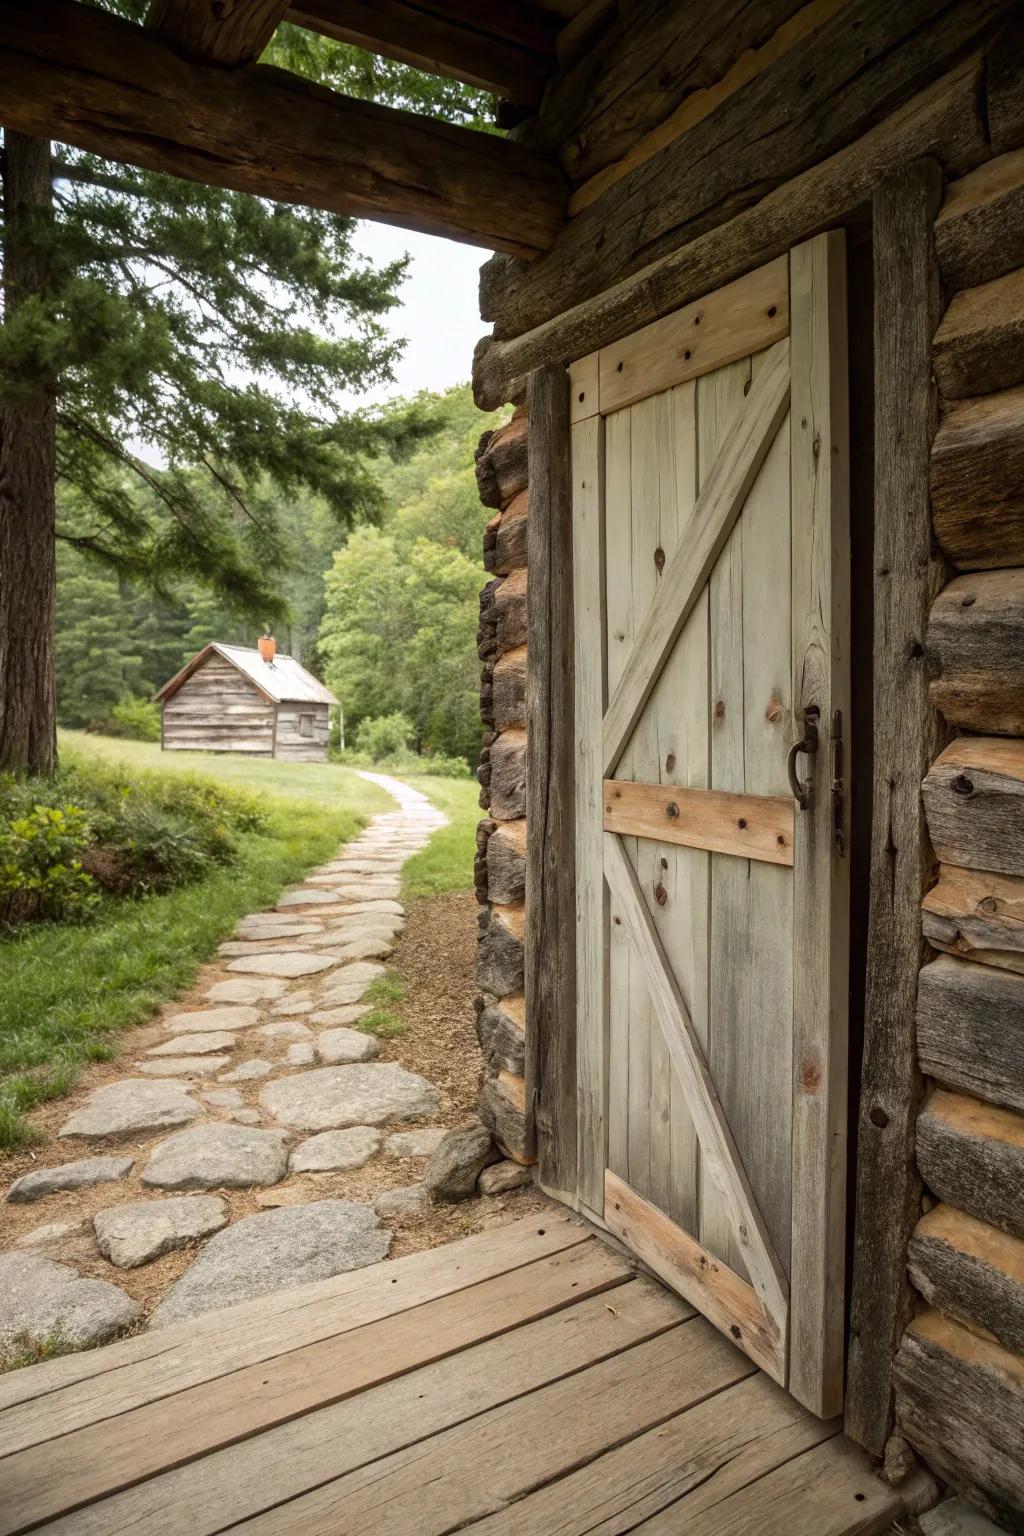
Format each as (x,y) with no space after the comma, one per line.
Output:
(229,699)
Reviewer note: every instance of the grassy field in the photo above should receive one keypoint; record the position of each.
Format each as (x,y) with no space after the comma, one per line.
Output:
(68,990)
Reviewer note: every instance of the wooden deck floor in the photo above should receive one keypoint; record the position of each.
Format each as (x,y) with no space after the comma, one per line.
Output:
(524,1382)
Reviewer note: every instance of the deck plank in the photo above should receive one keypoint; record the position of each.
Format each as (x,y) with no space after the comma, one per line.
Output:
(828,1491)
(724,1443)
(478,1467)
(213,1492)
(61,1395)
(98,1459)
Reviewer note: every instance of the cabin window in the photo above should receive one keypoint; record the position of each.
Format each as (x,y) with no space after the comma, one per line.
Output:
(305,725)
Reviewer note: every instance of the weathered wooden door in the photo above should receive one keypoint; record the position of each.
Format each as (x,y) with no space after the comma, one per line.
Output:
(710,552)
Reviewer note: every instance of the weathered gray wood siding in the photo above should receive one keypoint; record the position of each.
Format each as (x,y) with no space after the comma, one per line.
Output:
(292,744)
(218,710)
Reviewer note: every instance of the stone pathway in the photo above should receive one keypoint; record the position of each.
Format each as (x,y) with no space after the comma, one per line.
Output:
(269,1082)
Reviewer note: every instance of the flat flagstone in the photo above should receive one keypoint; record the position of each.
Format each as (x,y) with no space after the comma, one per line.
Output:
(195,1045)
(292,1005)
(285,962)
(217,1156)
(351,982)
(133,1234)
(305,899)
(368,1093)
(302,1054)
(385,889)
(247,1071)
(246,1115)
(382,906)
(183,1066)
(331,1151)
(241,990)
(418,1143)
(131,1105)
(250,930)
(223,1098)
(272,1251)
(348,1013)
(286,1029)
(208,1019)
(408,1201)
(336,1046)
(53,1233)
(43,1301)
(78,1175)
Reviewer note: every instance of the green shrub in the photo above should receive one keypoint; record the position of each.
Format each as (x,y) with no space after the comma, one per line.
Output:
(385,736)
(138,719)
(443,767)
(41,873)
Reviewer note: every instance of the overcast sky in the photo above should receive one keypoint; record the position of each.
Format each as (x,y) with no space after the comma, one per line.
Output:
(438,315)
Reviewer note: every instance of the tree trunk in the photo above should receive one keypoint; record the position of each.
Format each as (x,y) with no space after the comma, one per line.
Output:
(28,735)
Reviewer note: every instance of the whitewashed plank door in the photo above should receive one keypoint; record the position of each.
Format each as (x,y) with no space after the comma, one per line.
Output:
(711,588)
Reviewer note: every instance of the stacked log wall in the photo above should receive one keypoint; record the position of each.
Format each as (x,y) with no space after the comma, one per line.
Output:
(699,147)
(959,1371)
(501,467)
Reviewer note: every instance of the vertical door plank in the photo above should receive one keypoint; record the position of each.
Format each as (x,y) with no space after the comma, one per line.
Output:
(720,398)
(550,853)
(591,927)
(819,435)
(755,1075)
(907,736)
(620,622)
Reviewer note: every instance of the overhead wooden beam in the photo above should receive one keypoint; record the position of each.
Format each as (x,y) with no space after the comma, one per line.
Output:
(74,73)
(227,32)
(481,44)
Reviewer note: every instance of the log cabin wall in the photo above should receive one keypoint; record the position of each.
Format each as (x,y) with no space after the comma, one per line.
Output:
(217,709)
(960,1367)
(701,142)
(501,838)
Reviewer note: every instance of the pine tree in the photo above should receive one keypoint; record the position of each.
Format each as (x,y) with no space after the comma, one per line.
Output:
(151,320)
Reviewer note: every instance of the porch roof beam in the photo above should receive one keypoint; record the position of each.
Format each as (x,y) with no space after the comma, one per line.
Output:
(231,34)
(509,50)
(88,78)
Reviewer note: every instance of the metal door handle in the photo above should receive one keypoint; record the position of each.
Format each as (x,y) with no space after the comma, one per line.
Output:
(809,745)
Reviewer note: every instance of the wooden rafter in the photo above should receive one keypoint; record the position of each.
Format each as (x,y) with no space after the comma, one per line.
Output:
(505,49)
(74,73)
(217,31)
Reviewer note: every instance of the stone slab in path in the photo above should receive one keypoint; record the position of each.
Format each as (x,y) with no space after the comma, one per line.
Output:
(331,1151)
(305,899)
(118,1109)
(240,989)
(336,1046)
(248,1071)
(217,1156)
(285,1029)
(272,1251)
(347,1013)
(283,962)
(195,1045)
(78,1175)
(369,1093)
(214,1019)
(41,1301)
(183,1066)
(418,1143)
(133,1234)
(408,1201)
(350,983)
(52,1233)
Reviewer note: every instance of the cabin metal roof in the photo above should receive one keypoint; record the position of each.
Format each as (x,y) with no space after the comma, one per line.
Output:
(282,681)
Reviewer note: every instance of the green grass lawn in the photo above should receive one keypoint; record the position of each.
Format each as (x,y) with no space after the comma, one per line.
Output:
(446,864)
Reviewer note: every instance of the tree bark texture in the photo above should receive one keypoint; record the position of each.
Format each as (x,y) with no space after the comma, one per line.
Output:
(28,739)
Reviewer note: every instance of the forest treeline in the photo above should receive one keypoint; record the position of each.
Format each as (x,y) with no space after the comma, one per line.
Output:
(385,613)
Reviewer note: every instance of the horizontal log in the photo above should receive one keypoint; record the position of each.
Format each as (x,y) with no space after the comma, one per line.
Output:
(508,685)
(970,1029)
(960,1403)
(974,802)
(216,33)
(979,345)
(499,955)
(970,1271)
(510,539)
(942,120)
(972,1155)
(506,862)
(746,826)
(975,649)
(832,87)
(78,74)
(1004,88)
(501,463)
(508,775)
(501,1031)
(979,233)
(503,1111)
(977,915)
(465,42)
(510,618)
(977,481)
